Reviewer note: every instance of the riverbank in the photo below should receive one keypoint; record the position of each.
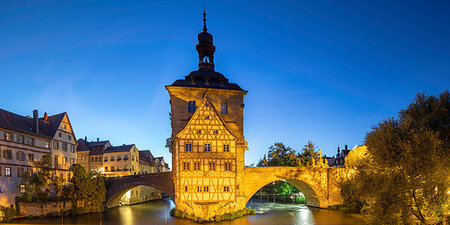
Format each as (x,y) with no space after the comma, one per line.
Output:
(157,213)
(227,216)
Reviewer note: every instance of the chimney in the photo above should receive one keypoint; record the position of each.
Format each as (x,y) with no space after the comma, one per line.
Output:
(346,147)
(98,139)
(45,116)
(36,121)
(85,138)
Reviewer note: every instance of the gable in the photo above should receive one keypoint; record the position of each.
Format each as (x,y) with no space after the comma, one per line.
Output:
(206,124)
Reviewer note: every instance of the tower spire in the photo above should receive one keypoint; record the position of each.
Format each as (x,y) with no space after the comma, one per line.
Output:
(204,20)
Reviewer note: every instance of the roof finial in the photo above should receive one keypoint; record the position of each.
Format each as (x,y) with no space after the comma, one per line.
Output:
(204,20)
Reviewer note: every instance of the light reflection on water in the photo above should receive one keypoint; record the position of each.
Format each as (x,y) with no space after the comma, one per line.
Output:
(157,212)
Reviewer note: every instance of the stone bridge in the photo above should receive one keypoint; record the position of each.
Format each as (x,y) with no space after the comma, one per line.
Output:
(318,185)
(118,186)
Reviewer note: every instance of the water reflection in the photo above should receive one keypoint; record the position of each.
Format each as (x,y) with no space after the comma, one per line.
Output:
(157,213)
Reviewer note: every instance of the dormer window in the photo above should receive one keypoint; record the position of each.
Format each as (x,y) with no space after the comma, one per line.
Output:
(191,106)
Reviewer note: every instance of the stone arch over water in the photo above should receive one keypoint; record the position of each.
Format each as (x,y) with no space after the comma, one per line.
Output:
(318,185)
(118,186)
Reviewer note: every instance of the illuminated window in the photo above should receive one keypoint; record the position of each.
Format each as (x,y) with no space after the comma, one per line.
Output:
(47,144)
(188,148)
(64,160)
(22,188)
(106,168)
(7,171)
(226,148)
(207,147)
(112,168)
(224,108)
(8,136)
(191,106)
(72,161)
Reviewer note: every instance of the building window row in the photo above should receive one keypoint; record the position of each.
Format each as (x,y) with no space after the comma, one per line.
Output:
(206,147)
(7,171)
(22,139)
(206,188)
(211,166)
(223,107)
(64,146)
(20,155)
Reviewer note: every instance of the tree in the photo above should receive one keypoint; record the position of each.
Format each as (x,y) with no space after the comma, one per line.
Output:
(403,178)
(88,187)
(37,183)
(280,155)
(312,158)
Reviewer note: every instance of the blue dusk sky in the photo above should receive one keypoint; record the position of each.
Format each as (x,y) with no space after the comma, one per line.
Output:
(325,71)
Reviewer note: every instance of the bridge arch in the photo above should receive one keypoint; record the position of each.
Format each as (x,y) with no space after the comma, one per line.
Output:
(312,182)
(118,186)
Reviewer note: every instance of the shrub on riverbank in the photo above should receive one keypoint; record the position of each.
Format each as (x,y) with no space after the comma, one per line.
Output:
(6,213)
(227,216)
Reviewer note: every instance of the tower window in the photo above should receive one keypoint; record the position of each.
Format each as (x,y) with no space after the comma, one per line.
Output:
(188,148)
(228,166)
(191,106)
(212,166)
(207,147)
(224,108)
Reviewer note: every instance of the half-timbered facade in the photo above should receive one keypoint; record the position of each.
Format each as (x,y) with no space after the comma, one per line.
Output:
(207,141)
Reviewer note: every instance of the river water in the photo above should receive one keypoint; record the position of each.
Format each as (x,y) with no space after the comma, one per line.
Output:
(157,212)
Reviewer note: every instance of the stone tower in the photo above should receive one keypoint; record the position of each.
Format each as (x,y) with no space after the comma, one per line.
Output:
(207,141)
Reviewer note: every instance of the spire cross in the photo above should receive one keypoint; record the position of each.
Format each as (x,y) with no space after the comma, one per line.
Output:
(204,21)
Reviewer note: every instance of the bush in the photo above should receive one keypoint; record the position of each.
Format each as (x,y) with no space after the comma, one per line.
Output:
(227,216)
(6,213)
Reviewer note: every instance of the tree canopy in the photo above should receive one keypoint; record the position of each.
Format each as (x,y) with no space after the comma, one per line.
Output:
(404,176)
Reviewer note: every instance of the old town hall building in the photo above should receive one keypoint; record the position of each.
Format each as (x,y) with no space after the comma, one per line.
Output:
(207,141)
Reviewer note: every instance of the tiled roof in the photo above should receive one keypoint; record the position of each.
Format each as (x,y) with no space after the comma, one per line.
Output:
(206,78)
(121,148)
(47,128)
(146,157)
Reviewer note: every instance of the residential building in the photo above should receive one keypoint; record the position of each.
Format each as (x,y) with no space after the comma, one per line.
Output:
(110,160)
(339,159)
(24,140)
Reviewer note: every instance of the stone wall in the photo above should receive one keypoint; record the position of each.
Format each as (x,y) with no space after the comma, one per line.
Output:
(43,208)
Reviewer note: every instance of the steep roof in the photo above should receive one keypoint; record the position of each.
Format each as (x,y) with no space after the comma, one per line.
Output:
(146,157)
(121,148)
(47,128)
